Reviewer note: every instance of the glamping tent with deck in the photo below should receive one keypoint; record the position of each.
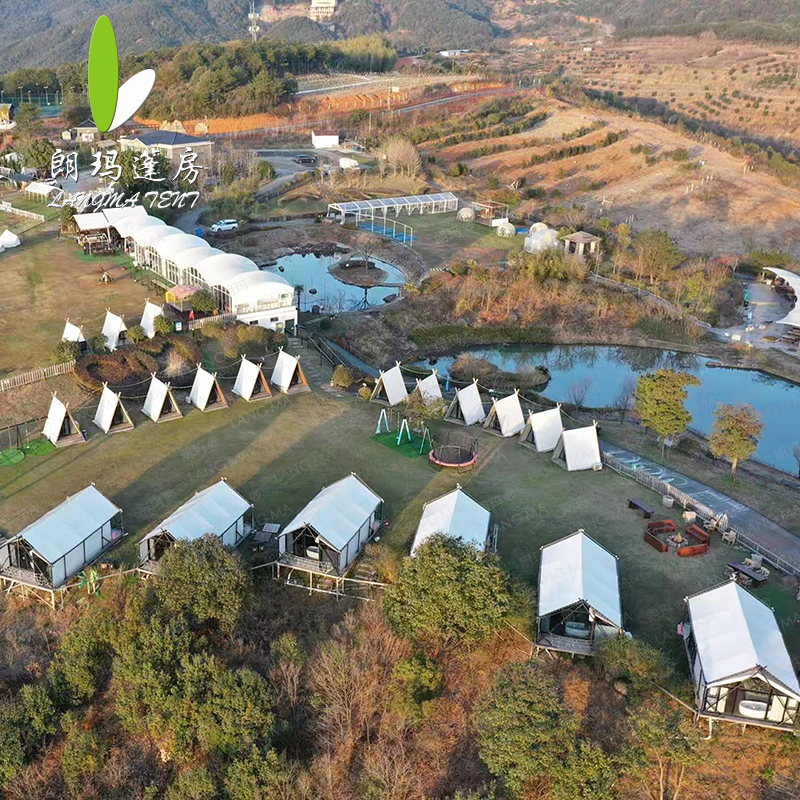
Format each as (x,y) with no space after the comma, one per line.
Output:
(151,311)
(72,333)
(542,430)
(466,407)
(390,389)
(287,374)
(740,667)
(160,404)
(56,547)
(429,388)
(217,510)
(114,331)
(60,427)
(206,392)
(112,416)
(579,604)
(330,532)
(505,417)
(455,514)
(251,384)
(578,449)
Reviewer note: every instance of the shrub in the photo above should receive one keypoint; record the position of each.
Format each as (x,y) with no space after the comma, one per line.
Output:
(365,393)
(203,302)
(253,336)
(196,783)
(163,325)
(83,756)
(66,351)
(136,334)
(342,379)
(98,344)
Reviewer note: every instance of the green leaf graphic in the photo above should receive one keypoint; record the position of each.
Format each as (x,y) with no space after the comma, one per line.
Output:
(103,73)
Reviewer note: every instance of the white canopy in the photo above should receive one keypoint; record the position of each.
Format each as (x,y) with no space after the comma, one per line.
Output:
(469,403)
(576,569)
(151,311)
(185,259)
(128,225)
(104,417)
(114,215)
(8,239)
(202,388)
(91,222)
(429,387)
(213,510)
(283,371)
(393,386)
(41,189)
(544,429)
(67,525)
(156,397)
(154,235)
(453,514)
(508,413)
(738,635)
(578,448)
(175,244)
(338,511)
(113,326)
(246,379)
(72,333)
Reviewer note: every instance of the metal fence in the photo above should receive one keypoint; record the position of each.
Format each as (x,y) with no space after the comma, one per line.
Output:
(221,318)
(36,375)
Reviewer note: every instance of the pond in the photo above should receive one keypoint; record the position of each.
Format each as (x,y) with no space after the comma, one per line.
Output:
(602,371)
(323,289)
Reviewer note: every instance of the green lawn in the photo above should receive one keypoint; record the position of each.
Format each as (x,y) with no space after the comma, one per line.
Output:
(279,453)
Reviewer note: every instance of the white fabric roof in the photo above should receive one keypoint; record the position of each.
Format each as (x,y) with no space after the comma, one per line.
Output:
(202,387)
(469,400)
(112,327)
(67,525)
(394,385)
(91,222)
(193,256)
(156,395)
(246,379)
(454,514)
(338,511)
(577,568)
(401,203)
(581,448)
(55,419)
(213,510)
(793,317)
(72,333)
(8,239)
(283,370)
(546,427)
(509,415)
(151,311)
(736,633)
(154,235)
(252,288)
(42,189)
(174,244)
(127,226)
(429,387)
(219,269)
(114,215)
(105,411)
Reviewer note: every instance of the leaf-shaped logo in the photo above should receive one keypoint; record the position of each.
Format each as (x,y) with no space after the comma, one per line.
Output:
(113,105)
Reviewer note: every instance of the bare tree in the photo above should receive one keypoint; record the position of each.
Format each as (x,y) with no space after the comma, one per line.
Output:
(796,454)
(625,398)
(401,156)
(366,247)
(578,391)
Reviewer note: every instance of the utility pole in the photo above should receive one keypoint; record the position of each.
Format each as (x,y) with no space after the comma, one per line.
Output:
(252,20)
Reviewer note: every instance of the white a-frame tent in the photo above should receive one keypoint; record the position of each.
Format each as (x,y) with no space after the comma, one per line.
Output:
(429,388)
(114,330)
(60,427)
(287,374)
(467,406)
(505,417)
(542,430)
(250,382)
(74,333)
(206,392)
(160,404)
(390,389)
(151,311)
(578,449)
(112,416)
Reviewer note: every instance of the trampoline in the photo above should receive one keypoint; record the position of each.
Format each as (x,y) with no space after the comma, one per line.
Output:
(455,456)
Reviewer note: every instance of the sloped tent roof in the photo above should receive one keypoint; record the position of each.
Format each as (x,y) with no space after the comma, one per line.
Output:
(738,635)
(104,417)
(114,215)
(393,385)
(151,311)
(204,383)
(508,413)
(157,395)
(41,189)
(247,377)
(545,427)
(453,514)
(91,222)
(67,525)
(113,326)
(154,235)
(213,510)
(8,239)
(127,226)
(72,333)
(470,403)
(574,569)
(429,387)
(337,511)
(793,317)
(284,370)
(55,419)
(579,448)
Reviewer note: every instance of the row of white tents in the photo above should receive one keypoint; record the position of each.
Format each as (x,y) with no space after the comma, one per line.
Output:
(114,327)
(160,404)
(543,431)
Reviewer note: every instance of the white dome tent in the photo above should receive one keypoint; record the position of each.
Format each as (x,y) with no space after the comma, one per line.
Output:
(466,214)
(543,238)
(506,230)
(8,239)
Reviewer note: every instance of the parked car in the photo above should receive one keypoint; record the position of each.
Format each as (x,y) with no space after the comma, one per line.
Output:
(225,225)
(304,158)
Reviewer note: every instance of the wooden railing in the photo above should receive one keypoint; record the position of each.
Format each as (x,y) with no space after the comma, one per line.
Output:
(8,208)
(36,375)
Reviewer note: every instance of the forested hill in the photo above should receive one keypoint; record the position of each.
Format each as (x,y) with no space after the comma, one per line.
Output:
(758,19)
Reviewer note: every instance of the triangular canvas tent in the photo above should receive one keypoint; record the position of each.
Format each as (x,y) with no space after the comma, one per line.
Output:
(72,333)
(112,416)
(206,392)
(114,330)
(390,388)
(505,417)
(578,449)
(429,387)
(543,430)
(151,311)
(250,382)
(287,374)
(467,406)
(9,239)
(160,404)
(60,427)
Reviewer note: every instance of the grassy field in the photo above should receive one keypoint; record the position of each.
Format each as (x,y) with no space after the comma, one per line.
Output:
(280,453)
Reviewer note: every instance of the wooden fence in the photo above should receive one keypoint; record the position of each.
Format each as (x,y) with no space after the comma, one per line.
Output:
(8,208)
(36,375)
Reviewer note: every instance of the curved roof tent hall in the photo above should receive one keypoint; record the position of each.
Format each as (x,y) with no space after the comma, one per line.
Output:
(187,260)
(172,245)
(127,226)
(153,235)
